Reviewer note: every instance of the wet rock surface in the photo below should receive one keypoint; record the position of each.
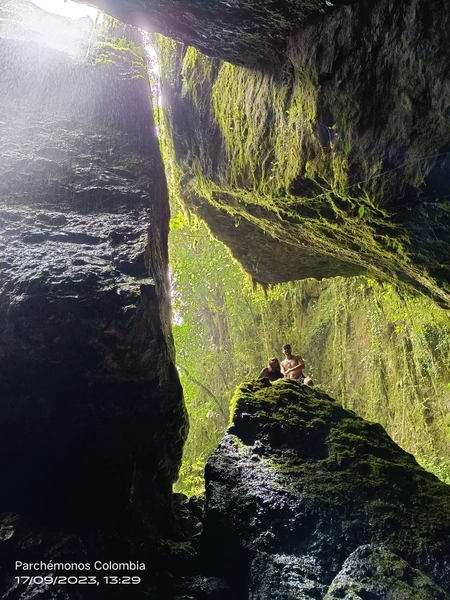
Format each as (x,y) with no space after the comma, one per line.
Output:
(373,571)
(307,500)
(92,417)
(247,33)
(81,347)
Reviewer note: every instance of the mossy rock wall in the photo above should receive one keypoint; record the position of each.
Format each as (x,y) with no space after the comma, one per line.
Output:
(334,164)
(379,351)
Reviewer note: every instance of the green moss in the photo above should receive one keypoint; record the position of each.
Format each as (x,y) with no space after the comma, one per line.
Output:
(122,51)
(288,173)
(385,575)
(339,458)
(170,55)
(196,71)
(363,339)
(192,477)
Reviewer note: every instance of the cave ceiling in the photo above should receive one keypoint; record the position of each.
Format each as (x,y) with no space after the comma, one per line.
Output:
(313,139)
(251,33)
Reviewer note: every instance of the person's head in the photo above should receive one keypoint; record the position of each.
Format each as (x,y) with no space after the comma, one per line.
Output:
(274,364)
(287,350)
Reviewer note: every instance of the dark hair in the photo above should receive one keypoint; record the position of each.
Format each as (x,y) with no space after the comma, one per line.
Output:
(286,346)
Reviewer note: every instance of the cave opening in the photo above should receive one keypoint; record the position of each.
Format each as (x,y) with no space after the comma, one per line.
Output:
(237,332)
(301,489)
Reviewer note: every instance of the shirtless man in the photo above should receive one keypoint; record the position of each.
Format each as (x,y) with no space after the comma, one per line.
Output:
(293,365)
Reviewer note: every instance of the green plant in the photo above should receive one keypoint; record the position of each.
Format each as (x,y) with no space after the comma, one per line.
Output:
(376,348)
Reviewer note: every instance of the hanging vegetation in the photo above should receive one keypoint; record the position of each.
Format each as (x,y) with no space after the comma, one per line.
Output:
(378,349)
(380,352)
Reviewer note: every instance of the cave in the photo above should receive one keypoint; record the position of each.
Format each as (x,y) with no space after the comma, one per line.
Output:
(313,140)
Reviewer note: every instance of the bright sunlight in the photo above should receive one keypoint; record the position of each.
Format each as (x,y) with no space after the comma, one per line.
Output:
(67,9)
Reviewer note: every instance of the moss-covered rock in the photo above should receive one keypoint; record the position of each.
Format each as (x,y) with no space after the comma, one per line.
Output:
(335,164)
(374,572)
(300,477)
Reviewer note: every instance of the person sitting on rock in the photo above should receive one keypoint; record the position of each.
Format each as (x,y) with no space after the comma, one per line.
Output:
(293,365)
(272,371)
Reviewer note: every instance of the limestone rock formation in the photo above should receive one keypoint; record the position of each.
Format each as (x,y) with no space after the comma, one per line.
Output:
(92,417)
(307,500)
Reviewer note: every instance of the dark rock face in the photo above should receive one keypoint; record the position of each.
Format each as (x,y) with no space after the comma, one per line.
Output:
(78,562)
(92,417)
(307,500)
(251,33)
(373,571)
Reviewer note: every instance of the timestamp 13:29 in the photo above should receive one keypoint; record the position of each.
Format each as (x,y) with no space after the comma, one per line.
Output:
(78,580)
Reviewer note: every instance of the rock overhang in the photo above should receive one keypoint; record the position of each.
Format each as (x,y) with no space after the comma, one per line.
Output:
(251,33)
(333,164)
(329,166)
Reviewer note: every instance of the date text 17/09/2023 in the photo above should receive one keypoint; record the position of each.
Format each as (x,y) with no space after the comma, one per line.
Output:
(59,573)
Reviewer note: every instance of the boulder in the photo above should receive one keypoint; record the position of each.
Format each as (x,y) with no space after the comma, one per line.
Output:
(301,493)
(372,571)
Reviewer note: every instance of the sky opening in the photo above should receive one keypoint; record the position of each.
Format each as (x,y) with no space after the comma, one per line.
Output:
(67,9)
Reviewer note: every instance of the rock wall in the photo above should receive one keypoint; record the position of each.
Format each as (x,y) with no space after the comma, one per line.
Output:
(331,150)
(92,417)
(251,33)
(334,164)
